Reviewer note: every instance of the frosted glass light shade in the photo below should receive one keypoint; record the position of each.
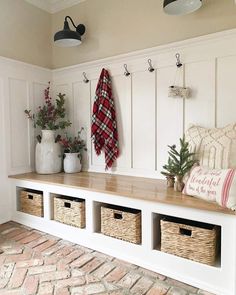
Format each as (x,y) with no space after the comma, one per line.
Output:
(180,7)
(67,42)
(67,38)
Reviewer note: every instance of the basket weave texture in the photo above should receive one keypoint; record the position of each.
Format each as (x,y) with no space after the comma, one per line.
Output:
(69,211)
(31,203)
(121,224)
(191,242)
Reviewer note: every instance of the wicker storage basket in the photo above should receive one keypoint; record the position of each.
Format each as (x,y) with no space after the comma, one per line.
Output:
(70,211)
(121,223)
(192,240)
(31,202)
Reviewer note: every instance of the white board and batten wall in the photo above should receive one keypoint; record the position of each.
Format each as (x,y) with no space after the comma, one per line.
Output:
(149,120)
(21,87)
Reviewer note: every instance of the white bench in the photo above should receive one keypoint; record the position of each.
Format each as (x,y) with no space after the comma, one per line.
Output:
(153,199)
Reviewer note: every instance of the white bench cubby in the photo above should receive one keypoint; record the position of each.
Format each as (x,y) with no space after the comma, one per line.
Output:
(219,279)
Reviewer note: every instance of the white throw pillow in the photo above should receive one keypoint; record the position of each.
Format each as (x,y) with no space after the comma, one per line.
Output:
(213,185)
(215,147)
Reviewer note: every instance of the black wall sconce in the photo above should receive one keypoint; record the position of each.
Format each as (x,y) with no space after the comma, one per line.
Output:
(67,37)
(180,7)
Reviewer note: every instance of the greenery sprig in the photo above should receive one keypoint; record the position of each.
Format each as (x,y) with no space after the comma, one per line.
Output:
(50,116)
(73,144)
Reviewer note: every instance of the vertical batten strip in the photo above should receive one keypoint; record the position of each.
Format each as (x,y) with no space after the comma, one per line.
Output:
(183,99)
(216,92)
(131,120)
(130,156)
(29,93)
(74,104)
(72,113)
(29,125)
(90,121)
(89,127)
(155,119)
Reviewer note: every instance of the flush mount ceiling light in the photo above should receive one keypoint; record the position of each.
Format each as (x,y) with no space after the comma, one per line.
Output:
(180,7)
(67,37)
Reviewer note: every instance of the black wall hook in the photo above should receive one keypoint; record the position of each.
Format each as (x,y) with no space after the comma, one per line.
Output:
(126,73)
(86,80)
(150,68)
(178,62)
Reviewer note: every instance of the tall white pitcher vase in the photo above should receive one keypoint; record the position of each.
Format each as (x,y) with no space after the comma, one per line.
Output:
(48,154)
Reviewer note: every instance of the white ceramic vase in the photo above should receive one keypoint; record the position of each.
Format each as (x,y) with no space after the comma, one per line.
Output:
(72,163)
(48,154)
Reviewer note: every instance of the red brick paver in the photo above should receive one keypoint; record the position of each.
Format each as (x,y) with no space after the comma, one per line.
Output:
(34,263)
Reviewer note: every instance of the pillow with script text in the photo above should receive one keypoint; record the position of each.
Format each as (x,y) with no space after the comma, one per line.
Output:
(213,185)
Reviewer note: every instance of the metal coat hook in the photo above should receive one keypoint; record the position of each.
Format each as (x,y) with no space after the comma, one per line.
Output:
(126,73)
(151,69)
(178,63)
(86,80)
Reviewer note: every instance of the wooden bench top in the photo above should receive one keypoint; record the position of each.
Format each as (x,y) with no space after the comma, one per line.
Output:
(134,187)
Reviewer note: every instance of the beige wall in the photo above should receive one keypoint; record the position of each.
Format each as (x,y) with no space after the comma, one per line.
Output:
(25,33)
(120,26)
(113,27)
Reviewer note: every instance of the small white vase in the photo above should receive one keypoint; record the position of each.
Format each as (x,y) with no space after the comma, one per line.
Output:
(48,154)
(72,163)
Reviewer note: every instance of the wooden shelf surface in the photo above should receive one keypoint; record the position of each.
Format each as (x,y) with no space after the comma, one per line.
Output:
(133,187)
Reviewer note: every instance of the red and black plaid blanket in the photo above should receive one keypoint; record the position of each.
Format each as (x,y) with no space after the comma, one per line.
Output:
(104,128)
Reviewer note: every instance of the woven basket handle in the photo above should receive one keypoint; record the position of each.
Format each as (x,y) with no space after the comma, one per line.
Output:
(185,232)
(118,215)
(67,205)
(30,197)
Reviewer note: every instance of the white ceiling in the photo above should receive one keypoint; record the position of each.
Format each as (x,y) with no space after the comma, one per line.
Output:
(53,6)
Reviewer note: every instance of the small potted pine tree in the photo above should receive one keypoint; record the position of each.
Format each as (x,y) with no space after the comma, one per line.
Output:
(179,163)
(168,173)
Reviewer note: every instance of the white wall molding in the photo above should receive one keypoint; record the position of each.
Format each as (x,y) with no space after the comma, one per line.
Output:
(53,6)
(204,51)
(144,141)
(21,87)
(21,65)
(157,50)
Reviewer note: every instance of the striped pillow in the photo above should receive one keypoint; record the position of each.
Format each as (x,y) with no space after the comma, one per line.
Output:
(217,185)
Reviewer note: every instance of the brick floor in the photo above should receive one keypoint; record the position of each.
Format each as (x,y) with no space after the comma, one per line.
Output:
(32,263)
